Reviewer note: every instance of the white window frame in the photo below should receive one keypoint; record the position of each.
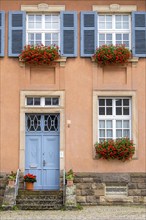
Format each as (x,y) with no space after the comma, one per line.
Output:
(43,30)
(115,31)
(115,117)
(134,116)
(42,101)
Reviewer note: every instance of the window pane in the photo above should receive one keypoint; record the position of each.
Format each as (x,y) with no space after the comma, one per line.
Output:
(118,17)
(38,18)
(125,25)
(38,36)
(126,124)
(101,18)
(126,102)
(109,102)
(118,36)
(118,102)
(125,111)
(126,133)
(126,43)
(119,124)
(48,17)
(108,36)
(55,25)
(36,101)
(109,18)
(101,111)
(47,101)
(125,18)
(109,133)
(30,25)
(118,111)
(118,25)
(55,36)
(38,25)
(48,25)
(47,36)
(30,36)
(101,102)
(109,111)
(101,36)
(109,25)
(55,101)
(47,43)
(109,124)
(55,18)
(102,133)
(101,25)
(118,133)
(30,17)
(29,101)
(101,124)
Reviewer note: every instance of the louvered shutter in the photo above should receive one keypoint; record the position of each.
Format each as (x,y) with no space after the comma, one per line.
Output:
(88,33)
(2,32)
(68,38)
(139,34)
(17,32)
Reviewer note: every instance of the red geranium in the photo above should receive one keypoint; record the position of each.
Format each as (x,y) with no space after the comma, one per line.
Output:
(39,54)
(121,149)
(30,178)
(110,54)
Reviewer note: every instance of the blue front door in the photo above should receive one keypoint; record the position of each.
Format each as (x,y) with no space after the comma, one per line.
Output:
(42,149)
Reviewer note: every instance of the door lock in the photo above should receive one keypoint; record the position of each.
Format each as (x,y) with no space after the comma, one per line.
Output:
(44,163)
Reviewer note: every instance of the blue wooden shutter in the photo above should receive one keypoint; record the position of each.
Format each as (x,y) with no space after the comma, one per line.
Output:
(17,32)
(139,34)
(88,33)
(2,32)
(68,35)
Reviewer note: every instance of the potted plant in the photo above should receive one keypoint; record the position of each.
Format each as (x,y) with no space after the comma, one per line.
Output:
(39,54)
(110,54)
(69,176)
(121,149)
(11,179)
(29,180)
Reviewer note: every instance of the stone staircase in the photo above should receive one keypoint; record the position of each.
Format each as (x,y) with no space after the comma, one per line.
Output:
(39,200)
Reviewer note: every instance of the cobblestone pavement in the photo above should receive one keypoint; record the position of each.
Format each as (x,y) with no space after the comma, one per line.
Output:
(88,213)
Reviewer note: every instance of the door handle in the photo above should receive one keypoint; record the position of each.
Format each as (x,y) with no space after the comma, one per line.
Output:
(44,163)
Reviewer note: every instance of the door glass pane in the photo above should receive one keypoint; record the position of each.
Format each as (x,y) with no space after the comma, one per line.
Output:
(55,101)
(47,101)
(37,101)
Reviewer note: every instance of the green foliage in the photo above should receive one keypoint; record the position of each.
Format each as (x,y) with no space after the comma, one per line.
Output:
(70,175)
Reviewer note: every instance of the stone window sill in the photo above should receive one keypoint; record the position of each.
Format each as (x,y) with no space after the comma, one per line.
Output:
(61,61)
(133,61)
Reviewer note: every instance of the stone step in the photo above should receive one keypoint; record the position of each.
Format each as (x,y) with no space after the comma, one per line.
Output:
(39,200)
(39,207)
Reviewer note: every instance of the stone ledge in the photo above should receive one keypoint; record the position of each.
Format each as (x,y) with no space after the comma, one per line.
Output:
(61,61)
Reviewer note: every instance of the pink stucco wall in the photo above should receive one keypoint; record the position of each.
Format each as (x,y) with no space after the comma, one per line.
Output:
(78,79)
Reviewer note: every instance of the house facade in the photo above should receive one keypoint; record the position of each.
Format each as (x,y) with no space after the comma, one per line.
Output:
(52,116)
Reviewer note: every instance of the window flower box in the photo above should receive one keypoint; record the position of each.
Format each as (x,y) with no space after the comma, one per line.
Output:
(110,54)
(121,149)
(39,54)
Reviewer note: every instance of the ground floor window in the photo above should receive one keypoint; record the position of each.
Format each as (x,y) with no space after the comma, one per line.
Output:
(114,117)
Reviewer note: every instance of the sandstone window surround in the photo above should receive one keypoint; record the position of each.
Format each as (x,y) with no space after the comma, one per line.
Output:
(134,116)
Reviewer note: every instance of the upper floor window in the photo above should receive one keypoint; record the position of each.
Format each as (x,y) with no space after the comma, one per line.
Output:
(43,29)
(114,29)
(42,101)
